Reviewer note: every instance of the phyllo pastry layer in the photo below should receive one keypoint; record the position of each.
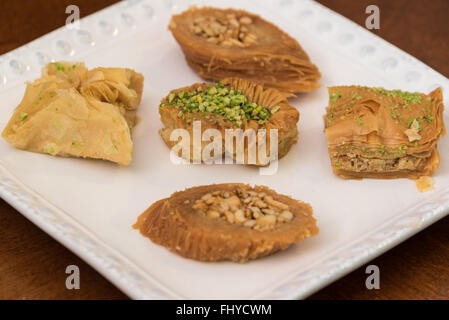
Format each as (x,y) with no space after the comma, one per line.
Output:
(230,221)
(233,104)
(378,133)
(221,43)
(72,111)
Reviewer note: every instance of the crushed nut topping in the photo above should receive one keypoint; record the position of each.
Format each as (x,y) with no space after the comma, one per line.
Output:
(227,31)
(252,209)
(412,133)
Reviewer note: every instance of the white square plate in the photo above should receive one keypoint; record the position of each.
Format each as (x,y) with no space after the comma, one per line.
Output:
(89,206)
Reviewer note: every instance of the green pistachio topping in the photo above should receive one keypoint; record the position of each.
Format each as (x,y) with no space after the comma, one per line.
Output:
(23,116)
(408,97)
(428,118)
(275,109)
(59,67)
(354,95)
(222,100)
(334,97)
(50,148)
(403,149)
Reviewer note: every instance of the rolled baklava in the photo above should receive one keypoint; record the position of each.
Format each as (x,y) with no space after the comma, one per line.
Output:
(221,43)
(378,133)
(230,221)
(233,108)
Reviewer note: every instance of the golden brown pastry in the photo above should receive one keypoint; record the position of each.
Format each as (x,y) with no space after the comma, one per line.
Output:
(227,222)
(72,111)
(378,133)
(231,104)
(221,43)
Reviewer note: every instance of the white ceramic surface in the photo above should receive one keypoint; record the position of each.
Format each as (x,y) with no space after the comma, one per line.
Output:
(89,206)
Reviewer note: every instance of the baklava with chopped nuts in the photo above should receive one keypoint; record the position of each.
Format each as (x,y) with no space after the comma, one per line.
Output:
(221,43)
(378,133)
(227,222)
(232,104)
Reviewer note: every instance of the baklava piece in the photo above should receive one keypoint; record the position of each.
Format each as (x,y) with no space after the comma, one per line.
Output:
(227,222)
(72,111)
(221,43)
(232,104)
(378,133)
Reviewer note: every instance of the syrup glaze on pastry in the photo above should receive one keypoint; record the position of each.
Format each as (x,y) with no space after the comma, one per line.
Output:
(72,111)
(227,222)
(221,43)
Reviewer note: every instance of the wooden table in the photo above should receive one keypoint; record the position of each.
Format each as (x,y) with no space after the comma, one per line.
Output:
(32,264)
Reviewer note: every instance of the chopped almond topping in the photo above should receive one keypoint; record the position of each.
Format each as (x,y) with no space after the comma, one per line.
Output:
(228,31)
(251,209)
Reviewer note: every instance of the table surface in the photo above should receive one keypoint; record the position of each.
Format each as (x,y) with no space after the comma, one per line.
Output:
(32,264)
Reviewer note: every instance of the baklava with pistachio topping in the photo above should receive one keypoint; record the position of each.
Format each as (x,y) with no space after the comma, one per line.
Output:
(221,43)
(231,104)
(231,221)
(378,133)
(76,112)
